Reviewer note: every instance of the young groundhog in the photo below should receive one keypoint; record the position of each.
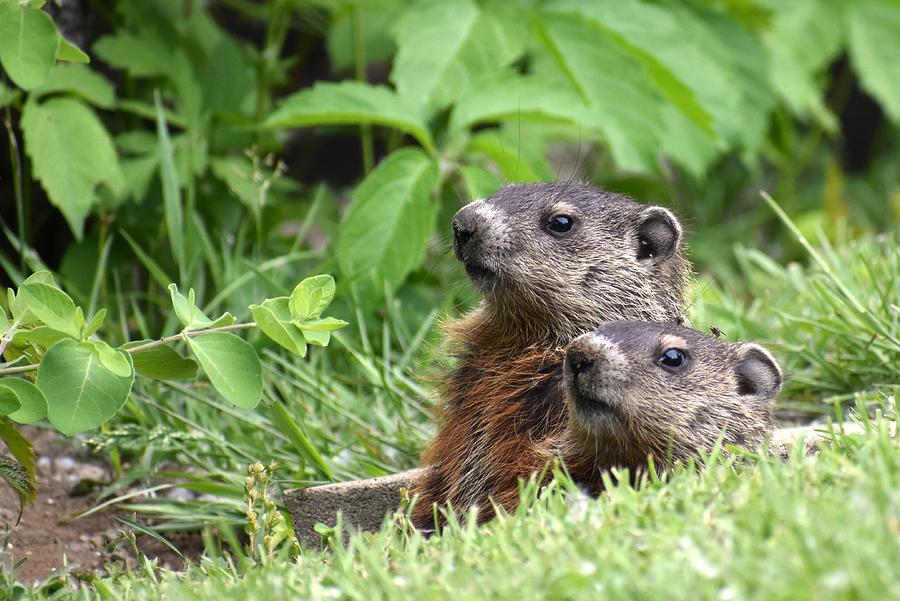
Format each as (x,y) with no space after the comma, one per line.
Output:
(637,389)
(553,261)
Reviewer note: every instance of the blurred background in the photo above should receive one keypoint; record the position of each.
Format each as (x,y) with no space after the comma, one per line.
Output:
(338,136)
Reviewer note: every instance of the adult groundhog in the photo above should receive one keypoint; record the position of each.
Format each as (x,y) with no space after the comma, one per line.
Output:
(553,261)
(637,389)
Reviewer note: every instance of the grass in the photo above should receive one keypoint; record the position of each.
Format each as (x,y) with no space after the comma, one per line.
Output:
(826,527)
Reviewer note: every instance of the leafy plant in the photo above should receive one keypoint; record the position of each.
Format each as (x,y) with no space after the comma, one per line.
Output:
(82,381)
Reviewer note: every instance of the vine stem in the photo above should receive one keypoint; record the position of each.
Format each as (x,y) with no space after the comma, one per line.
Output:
(147,345)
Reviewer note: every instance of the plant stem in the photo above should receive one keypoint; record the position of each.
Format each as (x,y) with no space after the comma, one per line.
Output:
(16,168)
(359,63)
(147,345)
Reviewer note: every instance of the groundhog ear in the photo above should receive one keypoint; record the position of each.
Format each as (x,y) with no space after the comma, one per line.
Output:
(659,234)
(757,372)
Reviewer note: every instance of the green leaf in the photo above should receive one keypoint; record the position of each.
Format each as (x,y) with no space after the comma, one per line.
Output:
(311,296)
(51,306)
(447,46)
(72,154)
(94,324)
(18,478)
(282,332)
(874,32)
(80,80)
(350,102)
(191,316)
(611,78)
(327,324)
(33,404)
(519,98)
(480,183)
(171,191)
(81,392)
(162,363)
(40,336)
(28,43)
(231,365)
(390,221)
(9,401)
(516,161)
(20,471)
(70,53)
(805,36)
(114,360)
(317,338)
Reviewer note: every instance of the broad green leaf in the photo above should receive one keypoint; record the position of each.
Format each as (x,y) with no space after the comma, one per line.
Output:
(317,338)
(40,336)
(8,95)
(447,46)
(326,324)
(42,277)
(284,333)
(350,102)
(803,39)
(162,363)
(9,401)
(311,296)
(516,161)
(480,183)
(388,225)
(4,322)
(33,404)
(231,365)
(114,360)
(70,53)
(376,22)
(80,80)
(28,42)
(51,306)
(874,39)
(170,189)
(519,98)
(81,392)
(72,155)
(611,77)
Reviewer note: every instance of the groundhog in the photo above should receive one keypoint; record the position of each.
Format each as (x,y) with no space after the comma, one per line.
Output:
(552,261)
(636,390)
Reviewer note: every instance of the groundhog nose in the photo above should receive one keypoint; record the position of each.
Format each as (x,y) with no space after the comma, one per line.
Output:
(579,361)
(464,227)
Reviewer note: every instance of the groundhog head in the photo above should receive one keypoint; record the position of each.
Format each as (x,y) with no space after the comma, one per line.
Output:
(636,389)
(567,257)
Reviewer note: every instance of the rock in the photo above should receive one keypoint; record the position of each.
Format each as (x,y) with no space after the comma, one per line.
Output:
(363,504)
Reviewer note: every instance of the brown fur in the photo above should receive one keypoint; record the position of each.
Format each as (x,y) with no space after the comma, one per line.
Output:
(504,400)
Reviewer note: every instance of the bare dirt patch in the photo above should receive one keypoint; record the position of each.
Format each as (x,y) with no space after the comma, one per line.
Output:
(50,538)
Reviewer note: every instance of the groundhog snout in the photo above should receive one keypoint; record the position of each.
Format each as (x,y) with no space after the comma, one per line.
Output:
(593,360)
(467,228)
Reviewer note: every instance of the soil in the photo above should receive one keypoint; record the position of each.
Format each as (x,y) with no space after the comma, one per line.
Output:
(51,539)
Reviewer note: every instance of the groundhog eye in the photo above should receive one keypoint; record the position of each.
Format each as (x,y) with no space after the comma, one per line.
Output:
(672,358)
(560,224)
